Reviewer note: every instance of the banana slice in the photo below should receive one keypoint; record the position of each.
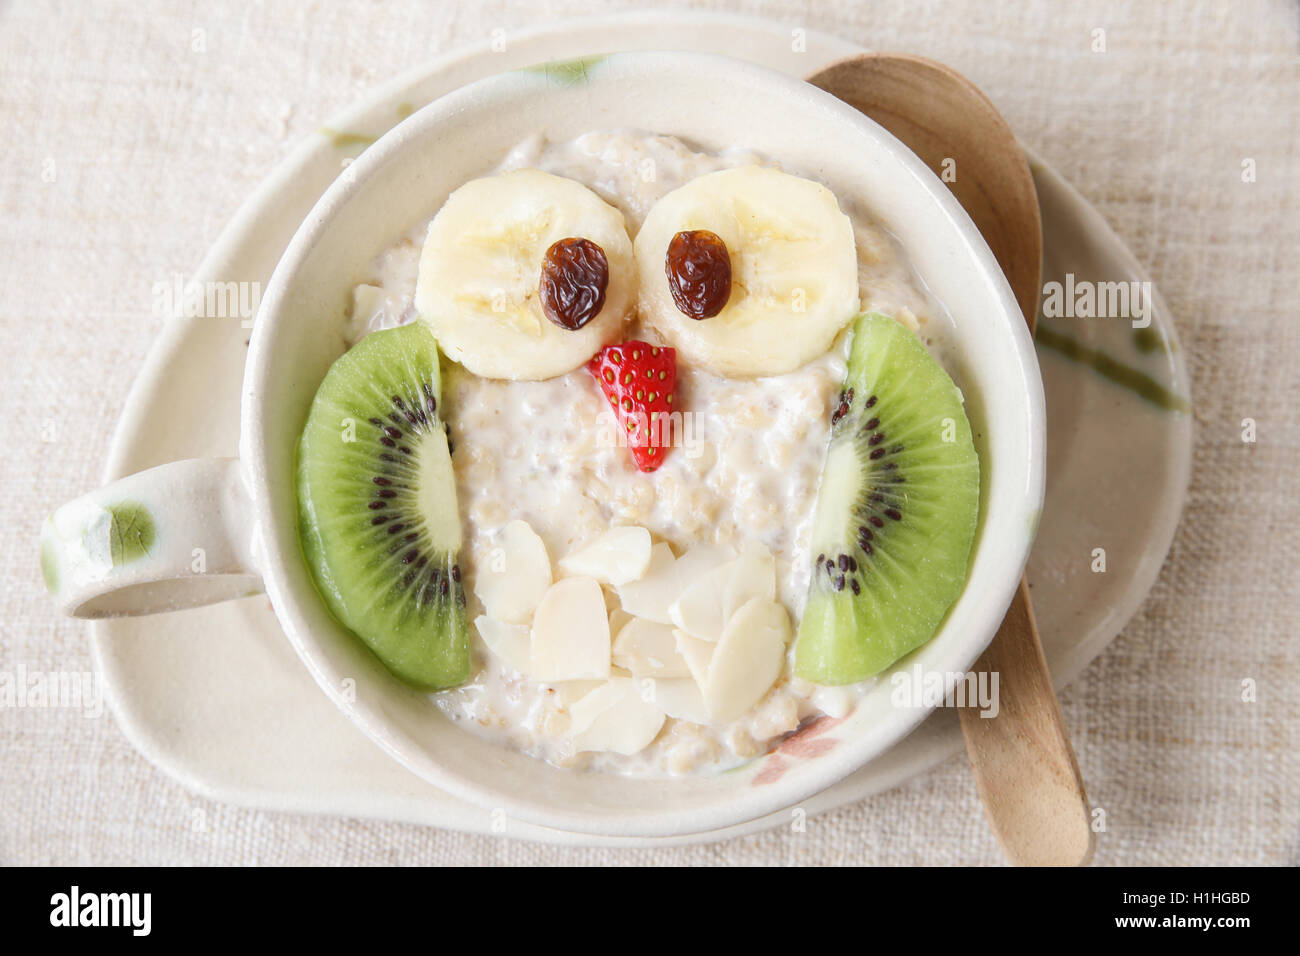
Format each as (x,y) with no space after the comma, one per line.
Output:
(482,265)
(794,270)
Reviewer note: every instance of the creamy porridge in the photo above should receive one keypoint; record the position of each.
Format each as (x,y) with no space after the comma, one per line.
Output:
(743,477)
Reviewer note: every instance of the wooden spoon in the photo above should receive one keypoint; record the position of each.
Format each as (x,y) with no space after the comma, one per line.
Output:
(1025,769)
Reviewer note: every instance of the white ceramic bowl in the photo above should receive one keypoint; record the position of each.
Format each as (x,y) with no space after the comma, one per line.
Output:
(714,103)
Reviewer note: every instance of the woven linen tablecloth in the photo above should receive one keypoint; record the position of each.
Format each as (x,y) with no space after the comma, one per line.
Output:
(127,147)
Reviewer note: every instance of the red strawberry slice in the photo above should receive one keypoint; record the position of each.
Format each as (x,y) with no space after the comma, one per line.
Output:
(638,379)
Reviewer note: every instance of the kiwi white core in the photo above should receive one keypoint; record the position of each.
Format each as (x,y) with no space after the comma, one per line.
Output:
(437,491)
(841,483)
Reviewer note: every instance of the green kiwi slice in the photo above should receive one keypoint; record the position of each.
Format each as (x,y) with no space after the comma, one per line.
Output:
(896,511)
(377,511)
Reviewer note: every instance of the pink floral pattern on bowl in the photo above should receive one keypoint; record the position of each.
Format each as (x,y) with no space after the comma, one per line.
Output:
(806,743)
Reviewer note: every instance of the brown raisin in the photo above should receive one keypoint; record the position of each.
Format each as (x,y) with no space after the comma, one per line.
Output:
(699,273)
(575,275)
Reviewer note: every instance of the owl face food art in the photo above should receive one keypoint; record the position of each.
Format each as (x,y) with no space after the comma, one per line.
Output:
(655,456)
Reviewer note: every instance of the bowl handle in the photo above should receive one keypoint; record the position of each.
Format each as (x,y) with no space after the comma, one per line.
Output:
(172,537)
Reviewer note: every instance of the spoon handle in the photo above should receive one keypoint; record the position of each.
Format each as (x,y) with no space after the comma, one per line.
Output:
(1024,767)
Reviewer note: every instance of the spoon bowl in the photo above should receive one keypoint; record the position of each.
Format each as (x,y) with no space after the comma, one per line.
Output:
(953,127)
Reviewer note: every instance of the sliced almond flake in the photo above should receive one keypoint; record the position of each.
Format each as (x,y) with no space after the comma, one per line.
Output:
(515,574)
(509,643)
(618,618)
(698,609)
(611,600)
(697,654)
(681,698)
(711,597)
(615,717)
(752,575)
(570,692)
(700,560)
(601,697)
(619,556)
(748,659)
(649,649)
(570,635)
(650,596)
